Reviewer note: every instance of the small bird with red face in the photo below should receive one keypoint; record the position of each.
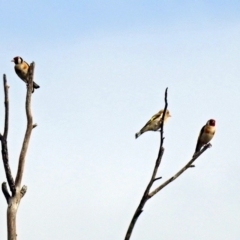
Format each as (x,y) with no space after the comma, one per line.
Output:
(206,134)
(21,68)
(154,123)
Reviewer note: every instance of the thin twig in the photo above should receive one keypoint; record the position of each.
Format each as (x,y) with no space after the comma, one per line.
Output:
(28,132)
(145,196)
(158,178)
(162,123)
(188,165)
(6,103)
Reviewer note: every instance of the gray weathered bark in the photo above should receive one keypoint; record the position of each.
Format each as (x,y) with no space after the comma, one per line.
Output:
(17,192)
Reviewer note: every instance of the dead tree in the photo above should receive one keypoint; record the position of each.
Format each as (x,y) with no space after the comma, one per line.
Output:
(148,193)
(17,191)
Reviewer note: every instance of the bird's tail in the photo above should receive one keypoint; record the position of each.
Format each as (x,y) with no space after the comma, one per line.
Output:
(198,148)
(35,85)
(138,134)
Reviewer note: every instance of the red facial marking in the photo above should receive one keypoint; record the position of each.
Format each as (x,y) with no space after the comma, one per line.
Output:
(212,122)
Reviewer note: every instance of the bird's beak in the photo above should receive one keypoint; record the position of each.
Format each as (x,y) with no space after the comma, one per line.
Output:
(169,115)
(12,60)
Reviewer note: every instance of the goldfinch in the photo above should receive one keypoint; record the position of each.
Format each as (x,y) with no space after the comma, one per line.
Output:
(21,69)
(206,134)
(154,123)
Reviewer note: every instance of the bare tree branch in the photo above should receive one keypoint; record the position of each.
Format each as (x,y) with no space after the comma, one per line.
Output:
(3,139)
(6,103)
(145,196)
(5,191)
(28,132)
(6,165)
(15,187)
(158,178)
(188,165)
(162,123)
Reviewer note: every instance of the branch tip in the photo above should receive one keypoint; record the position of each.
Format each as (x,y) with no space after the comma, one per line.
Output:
(146,195)
(157,179)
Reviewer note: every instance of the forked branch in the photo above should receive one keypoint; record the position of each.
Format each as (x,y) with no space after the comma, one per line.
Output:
(147,194)
(14,199)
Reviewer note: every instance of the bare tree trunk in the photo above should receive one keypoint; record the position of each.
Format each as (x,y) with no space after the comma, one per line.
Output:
(17,192)
(11,218)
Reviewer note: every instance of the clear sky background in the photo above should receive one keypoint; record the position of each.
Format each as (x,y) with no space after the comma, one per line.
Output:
(103,67)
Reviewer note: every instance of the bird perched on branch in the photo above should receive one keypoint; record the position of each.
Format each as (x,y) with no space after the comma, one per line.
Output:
(21,68)
(154,123)
(206,134)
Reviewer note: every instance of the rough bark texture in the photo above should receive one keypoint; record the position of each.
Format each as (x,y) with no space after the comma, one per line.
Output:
(17,192)
(11,216)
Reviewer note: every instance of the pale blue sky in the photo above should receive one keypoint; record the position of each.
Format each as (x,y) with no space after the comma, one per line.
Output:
(103,67)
